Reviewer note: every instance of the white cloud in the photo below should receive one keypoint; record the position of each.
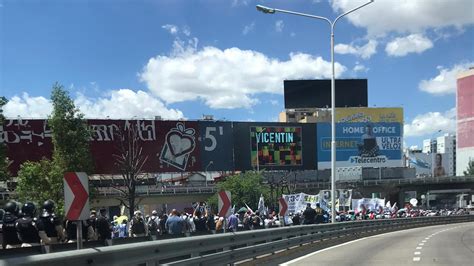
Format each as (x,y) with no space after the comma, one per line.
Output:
(407,16)
(292,34)
(445,81)
(186,30)
(360,68)
(248,28)
(123,103)
(28,107)
(173,29)
(413,43)
(274,102)
(227,78)
(430,123)
(236,3)
(279,25)
(364,51)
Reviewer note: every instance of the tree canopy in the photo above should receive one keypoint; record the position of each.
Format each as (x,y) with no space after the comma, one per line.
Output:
(70,133)
(470,169)
(4,162)
(39,181)
(245,188)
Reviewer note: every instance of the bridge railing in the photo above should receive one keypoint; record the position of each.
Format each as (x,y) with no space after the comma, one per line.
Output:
(403,181)
(152,190)
(229,247)
(141,190)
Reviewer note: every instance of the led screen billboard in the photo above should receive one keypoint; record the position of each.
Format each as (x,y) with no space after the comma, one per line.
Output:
(276,146)
(317,93)
(280,146)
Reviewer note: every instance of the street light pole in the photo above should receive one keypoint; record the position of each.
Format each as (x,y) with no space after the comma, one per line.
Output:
(269,10)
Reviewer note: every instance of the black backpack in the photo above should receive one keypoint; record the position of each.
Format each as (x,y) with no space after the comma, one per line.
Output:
(138,225)
(152,225)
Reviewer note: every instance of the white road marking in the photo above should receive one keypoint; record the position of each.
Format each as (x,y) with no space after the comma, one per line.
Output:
(343,244)
(424,241)
(417,253)
(421,244)
(416,258)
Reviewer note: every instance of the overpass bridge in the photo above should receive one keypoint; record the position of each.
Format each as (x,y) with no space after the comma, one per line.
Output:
(396,189)
(392,189)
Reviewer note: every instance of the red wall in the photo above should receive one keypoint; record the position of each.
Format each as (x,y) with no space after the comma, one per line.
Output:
(465,112)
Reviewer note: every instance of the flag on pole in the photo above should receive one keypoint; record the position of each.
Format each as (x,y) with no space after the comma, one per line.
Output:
(248,208)
(394,207)
(261,205)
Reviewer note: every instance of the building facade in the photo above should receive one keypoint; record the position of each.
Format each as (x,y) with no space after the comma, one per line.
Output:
(465,120)
(446,145)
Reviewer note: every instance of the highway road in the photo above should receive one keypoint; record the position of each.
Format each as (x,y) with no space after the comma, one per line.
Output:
(451,244)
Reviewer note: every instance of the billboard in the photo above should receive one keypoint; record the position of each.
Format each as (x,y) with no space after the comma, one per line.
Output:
(367,137)
(276,146)
(440,165)
(317,93)
(175,146)
(421,162)
(217,150)
(362,114)
(361,144)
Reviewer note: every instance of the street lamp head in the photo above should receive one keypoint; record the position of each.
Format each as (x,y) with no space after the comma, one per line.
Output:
(266,10)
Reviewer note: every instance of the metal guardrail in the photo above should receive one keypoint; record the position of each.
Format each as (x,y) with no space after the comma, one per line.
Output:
(229,247)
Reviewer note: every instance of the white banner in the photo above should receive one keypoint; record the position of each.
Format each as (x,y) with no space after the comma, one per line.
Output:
(368,204)
(297,202)
(343,197)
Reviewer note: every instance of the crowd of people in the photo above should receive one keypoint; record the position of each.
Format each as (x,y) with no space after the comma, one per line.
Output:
(22,227)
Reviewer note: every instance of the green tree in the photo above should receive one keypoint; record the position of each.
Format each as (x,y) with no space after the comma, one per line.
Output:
(39,181)
(245,188)
(4,162)
(70,133)
(470,169)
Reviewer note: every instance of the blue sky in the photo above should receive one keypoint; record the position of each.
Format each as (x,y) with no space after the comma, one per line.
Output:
(183,59)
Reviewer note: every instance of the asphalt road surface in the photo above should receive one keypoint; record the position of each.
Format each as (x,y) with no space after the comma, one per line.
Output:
(451,244)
